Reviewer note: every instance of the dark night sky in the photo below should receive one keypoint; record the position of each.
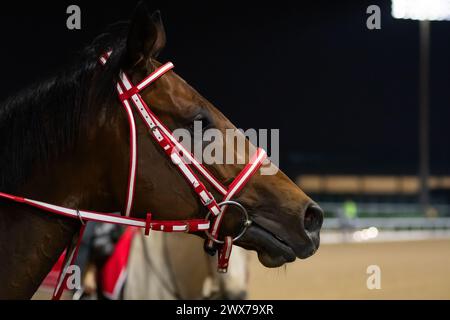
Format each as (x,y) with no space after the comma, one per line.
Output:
(344,97)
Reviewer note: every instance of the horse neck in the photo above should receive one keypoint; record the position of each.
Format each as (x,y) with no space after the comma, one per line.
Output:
(31,240)
(30,243)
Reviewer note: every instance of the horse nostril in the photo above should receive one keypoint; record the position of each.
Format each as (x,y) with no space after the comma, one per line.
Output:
(313,218)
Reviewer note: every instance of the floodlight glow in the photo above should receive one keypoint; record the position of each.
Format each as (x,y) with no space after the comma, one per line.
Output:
(357,236)
(421,9)
(372,232)
(365,234)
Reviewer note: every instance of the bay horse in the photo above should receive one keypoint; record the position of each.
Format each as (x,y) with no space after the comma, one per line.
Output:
(65,141)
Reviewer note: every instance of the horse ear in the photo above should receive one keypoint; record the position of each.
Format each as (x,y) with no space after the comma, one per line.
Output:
(146,37)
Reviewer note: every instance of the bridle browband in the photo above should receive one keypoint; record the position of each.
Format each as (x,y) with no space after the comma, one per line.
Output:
(129,95)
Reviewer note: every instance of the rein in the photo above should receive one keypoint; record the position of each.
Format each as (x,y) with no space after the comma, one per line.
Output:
(184,161)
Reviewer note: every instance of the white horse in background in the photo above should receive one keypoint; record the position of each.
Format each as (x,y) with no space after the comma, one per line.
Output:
(174,266)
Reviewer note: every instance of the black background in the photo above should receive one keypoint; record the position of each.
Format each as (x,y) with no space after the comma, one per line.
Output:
(167,309)
(345,98)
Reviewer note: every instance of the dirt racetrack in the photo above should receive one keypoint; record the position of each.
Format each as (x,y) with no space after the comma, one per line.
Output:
(409,270)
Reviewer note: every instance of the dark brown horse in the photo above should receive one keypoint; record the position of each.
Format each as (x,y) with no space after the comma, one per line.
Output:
(65,141)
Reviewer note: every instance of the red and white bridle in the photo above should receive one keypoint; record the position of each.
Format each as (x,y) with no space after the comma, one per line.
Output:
(183,160)
(186,163)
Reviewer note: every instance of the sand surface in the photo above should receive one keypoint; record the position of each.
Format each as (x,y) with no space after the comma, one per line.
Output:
(409,270)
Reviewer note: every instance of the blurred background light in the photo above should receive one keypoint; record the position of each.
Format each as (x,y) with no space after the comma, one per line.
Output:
(365,234)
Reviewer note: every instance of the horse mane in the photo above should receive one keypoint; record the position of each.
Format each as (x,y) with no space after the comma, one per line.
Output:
(48,118)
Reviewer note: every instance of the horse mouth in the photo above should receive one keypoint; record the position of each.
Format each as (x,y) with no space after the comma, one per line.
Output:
(272,250)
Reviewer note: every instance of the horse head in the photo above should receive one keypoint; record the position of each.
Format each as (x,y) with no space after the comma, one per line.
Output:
(286,222)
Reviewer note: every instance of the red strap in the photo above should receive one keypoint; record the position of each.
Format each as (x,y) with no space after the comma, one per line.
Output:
(148,224)
(12,197)
(160,225)
(224,255)
(71,255)
(104,58)
(127,94)
(244,176)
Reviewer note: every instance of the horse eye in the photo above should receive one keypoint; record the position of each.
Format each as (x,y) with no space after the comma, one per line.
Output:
(200,121)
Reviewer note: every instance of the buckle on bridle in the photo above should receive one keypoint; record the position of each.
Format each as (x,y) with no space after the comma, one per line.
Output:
(247,223)
(153,129)
(209,201)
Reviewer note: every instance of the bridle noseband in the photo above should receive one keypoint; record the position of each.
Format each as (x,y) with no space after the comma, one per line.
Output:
(183,160)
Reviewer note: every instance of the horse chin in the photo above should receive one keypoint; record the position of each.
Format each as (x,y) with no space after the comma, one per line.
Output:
(272,261)
(272,252)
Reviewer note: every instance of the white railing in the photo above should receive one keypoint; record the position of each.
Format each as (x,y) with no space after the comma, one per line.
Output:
(441,210)
(391,223)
